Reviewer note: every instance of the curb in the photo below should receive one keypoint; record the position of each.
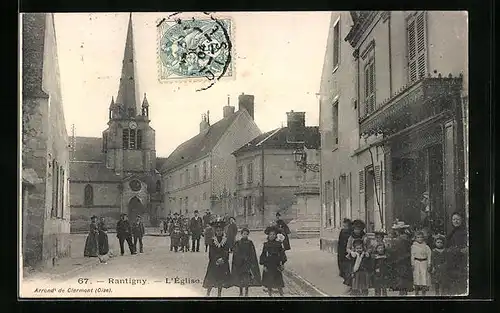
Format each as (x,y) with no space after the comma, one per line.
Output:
(304,284)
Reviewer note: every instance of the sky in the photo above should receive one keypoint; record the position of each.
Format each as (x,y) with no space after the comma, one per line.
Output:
(278,57)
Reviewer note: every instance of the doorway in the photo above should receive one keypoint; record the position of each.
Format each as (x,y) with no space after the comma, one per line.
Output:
(370,200)
(135,207)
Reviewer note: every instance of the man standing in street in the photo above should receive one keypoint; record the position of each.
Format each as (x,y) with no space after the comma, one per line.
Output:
(138,232)
(206,219)
(196,228)
(124,233)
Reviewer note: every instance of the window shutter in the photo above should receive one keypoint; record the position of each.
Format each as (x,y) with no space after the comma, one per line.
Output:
(361,181)
(421,45)
(377,175)
(361,206)
(412,59)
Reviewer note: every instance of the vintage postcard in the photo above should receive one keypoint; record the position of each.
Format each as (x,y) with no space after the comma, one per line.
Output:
(243,154)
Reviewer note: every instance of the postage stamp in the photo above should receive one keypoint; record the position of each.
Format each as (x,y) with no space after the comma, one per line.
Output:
(194,48)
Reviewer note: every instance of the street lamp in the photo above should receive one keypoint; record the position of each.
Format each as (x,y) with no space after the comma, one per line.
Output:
(300,158)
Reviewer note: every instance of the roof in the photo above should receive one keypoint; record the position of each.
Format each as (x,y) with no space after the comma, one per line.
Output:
(88,149)
(160,162)
(91,171)
(277,139)
(199,145)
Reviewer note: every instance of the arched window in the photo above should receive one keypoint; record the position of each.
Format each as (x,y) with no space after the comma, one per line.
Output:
(158,186)
(88,195)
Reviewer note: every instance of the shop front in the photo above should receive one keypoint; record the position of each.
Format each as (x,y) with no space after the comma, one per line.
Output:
(424,174)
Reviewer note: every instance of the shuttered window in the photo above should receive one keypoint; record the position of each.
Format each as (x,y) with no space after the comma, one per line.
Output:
(362,181)
(336,44)
(335,117)
(417,46)
(370,86)
(377,175)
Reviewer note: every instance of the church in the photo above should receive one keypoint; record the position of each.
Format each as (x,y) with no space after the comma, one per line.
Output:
(117,173)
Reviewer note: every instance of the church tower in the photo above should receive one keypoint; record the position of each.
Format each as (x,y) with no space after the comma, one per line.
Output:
(129,141)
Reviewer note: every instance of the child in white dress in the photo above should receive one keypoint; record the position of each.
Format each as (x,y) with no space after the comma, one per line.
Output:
(421,264)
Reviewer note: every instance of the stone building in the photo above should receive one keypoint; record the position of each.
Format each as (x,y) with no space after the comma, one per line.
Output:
(269,181)
(392,91)
(199,173)
(45,156)
(117,173)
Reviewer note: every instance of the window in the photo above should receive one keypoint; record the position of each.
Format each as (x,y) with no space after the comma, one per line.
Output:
(204,196)
(417,46)
(61,184)
(239,177)
(56,190)
(54,199)
(158,186)
(139,139)
(336,44)
(181,180)
(188,177)
(334,203)
(180,204)
(132,139)
(88,196)
(369,81)
(196,174)
(105,142)
(335,117)
(186,204)
(131,112)
(204,170)
(249,172)
(251,207)
(125,138)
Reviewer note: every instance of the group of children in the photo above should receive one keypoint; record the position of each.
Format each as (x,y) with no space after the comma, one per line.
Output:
(396,264)
(244,271)
(179,236)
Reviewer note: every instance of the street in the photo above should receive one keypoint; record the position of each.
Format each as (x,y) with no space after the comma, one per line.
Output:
(155,273)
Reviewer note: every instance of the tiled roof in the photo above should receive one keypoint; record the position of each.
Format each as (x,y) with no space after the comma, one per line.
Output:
(91,171)
(88,149)
(199,145)
(277,139)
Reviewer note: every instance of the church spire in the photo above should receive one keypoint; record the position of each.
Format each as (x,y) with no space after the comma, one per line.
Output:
(126,91)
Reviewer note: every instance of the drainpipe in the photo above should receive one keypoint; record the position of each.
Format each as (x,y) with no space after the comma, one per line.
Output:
(390,53)
(262,186)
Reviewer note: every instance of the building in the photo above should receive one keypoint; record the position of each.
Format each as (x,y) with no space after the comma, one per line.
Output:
(269,181)
(45,155)
(117,173)
(199,173)
(392,92)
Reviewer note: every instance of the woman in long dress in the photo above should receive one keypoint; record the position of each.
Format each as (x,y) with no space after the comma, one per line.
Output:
(91,243)
(400,260)
(103,237)
(245,270)
(273,258)
(284,230)
(457,257)
(342,261)
(218,273)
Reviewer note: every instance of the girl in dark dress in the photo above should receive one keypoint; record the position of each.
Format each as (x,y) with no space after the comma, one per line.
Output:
(218,274)
(103,237)
(273,258)
(91,243)
(232,231)
(284,230)
(457,257)
(438,269)
(245,270)
(358,233)
(361,269)
(342,261)
(380,271)
(400,260)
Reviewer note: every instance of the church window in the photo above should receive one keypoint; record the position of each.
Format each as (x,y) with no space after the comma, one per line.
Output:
(158,186)
(125,138)
(88,195)
(139,139)
(132,139)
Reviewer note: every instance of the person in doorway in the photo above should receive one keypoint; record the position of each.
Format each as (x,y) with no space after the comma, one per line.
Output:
(273,258)
(218,274)
(208,236)
(284,230)
(232,231)
(245,270)
(91,243)
(124,233)
(421,264)
(400,260)
(103,237)
(196,228)
(457,257)
(342,261)
(138,232)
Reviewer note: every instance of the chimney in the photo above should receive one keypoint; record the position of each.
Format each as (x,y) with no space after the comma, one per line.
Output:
(204,124)
(296,124)
(227,110)
(246,102)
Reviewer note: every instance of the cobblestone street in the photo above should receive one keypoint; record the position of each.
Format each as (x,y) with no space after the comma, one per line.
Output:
(146,275)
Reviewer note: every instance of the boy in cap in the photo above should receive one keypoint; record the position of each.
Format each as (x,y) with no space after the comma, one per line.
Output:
(138,231)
